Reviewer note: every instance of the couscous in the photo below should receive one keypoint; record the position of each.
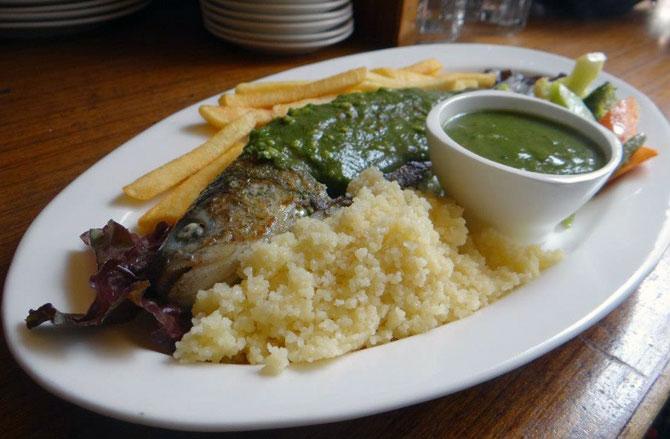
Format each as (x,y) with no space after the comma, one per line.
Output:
(393,264)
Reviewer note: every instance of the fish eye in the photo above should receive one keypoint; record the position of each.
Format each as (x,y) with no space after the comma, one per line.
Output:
(191,231)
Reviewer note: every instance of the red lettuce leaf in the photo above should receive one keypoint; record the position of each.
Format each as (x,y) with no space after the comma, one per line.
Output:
(121,285)
(126,311)
(172,321)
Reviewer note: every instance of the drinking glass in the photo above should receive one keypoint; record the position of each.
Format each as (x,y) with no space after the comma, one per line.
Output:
(439,20)
(496,16)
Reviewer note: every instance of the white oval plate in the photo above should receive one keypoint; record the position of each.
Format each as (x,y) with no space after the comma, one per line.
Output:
(107,372)
(266,7)
(280,18)
(276,28)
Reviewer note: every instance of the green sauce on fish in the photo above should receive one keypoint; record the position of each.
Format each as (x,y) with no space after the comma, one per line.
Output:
(334,142)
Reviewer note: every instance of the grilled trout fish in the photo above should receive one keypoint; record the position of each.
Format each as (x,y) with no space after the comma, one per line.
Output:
(250,200)
(285,172)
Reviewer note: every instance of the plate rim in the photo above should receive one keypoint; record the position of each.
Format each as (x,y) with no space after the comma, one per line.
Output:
(298,38)
(51,24)
(269,28)
(285,8)
(70,14)
(54,7)
(281,46)
(591,318)
(288,19)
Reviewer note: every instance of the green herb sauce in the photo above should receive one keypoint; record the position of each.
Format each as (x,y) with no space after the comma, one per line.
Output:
(526,142)
(336,141)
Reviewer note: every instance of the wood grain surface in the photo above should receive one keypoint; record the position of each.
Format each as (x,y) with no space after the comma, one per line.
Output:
(66,102)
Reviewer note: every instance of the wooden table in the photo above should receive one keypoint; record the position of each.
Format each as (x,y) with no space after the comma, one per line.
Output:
(65,103)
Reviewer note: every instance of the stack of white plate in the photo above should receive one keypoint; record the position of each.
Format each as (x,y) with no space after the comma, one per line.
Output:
(279,26)
(47,17)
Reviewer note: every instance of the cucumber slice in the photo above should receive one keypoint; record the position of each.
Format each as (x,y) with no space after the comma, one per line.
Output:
(561,95)
(601,100)
(542,88)
(586,70)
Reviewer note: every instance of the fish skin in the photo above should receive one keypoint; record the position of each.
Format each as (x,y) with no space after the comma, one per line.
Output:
(251,200)
(411,174)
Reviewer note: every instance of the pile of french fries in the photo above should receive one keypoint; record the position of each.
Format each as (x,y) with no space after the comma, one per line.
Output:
(253,105)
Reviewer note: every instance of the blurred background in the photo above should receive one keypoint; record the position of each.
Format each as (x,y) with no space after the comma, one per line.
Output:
(302,26)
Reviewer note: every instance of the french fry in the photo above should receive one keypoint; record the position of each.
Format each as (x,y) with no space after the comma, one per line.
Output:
(364,86)
(163,178)
(404,75)
(382,71)
(385,81)
(442,85)
(280,110)
(264,117)
(394,78)
(221,116)
(327,86)
(484,80)
(463,84)
(252,87)
(461,81)
(175,204)
(429,66)
(404,80)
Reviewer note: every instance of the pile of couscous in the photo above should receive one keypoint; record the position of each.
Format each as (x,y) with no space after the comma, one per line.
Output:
(393,264)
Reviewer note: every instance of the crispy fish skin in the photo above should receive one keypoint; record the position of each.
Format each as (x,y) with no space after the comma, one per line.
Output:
(249,201)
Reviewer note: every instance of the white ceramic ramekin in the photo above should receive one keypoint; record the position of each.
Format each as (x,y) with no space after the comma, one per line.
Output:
(524,205)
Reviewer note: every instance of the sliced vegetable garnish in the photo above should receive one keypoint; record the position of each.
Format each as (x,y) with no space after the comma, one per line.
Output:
(601,100)
(639,156)
(542,88)
(515,81)
(123,260)
(569,221)
(561,95)
(586,70)
(622,118)
(632,145)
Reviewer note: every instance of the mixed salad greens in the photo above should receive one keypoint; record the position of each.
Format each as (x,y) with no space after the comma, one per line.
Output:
(121,285)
